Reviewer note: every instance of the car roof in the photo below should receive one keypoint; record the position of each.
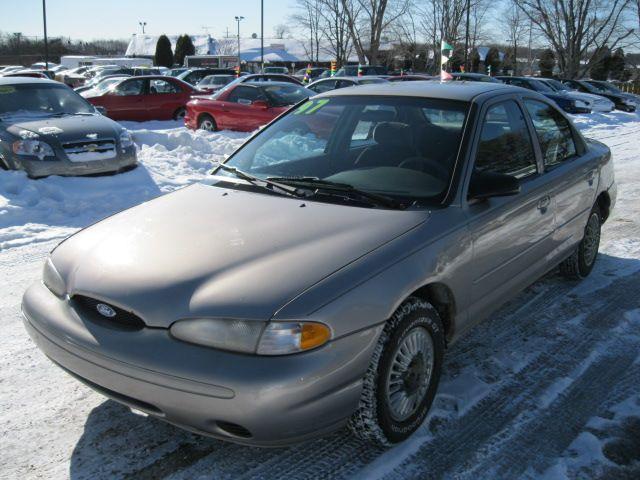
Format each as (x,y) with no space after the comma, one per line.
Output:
(25,80)
(268,84)
(461,90)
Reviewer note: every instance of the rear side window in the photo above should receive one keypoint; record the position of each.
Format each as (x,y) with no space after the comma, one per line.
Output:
(244,95)
(323,86)
(553,131)
(505,144)
(130,87)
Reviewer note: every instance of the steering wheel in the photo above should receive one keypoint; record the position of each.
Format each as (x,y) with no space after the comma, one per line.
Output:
(426,165)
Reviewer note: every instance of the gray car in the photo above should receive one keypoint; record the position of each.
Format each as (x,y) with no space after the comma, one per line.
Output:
(316,279)
(48,129)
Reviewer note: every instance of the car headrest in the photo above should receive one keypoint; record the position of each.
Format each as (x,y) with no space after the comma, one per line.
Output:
(393,134)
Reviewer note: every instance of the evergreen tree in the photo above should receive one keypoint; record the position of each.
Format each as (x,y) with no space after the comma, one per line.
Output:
(617,65)
(602,64)
(546,63)
(475,61)
(184,47)
(164,55)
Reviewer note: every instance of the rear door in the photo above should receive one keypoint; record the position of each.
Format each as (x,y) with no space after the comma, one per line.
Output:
(571,172)
(511,235)
(127,100)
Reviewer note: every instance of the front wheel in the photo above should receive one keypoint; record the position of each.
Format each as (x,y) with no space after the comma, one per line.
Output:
(403,376)
(582,260)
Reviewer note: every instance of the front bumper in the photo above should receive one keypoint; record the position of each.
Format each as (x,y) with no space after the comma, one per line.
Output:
(277,400)
(61,166)
(625,107)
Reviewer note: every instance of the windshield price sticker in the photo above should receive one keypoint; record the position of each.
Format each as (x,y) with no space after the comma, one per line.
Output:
(311,107)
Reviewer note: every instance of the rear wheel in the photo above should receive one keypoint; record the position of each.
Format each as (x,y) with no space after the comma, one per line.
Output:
(179,113)
(403,376)
(206,122)
(582,260)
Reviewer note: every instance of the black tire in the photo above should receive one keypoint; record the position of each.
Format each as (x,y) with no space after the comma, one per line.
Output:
(374,419)
(207,123)
(582,260)
(179,113)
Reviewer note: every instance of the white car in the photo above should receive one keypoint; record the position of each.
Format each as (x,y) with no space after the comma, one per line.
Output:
(596,103)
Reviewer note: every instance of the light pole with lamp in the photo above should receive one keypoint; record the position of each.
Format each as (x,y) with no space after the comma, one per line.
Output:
(46,42)
(142,24)
(262,35)
(238,19)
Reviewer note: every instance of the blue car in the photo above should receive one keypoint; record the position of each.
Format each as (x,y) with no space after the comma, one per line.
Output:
(569,105)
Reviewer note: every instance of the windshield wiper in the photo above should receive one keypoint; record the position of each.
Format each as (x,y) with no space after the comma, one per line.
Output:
(267,184)
(328,187)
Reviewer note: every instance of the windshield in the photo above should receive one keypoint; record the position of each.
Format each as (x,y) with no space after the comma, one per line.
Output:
(41,99)
(107,83)
(283,95)
(556,85)
(539,86)
(217,80)
(402,147)
(604,87)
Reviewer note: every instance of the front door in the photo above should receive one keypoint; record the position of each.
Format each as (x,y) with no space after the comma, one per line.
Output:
(511,235)
(127,101)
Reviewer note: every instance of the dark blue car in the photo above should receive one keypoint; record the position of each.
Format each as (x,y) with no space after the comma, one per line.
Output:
(567,104)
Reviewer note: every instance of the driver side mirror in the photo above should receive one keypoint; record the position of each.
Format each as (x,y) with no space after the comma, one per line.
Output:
(101,110)
(260,104)
(485,185)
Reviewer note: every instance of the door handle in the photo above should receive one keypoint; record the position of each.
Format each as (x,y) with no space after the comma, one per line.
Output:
(543,203)
(591,177)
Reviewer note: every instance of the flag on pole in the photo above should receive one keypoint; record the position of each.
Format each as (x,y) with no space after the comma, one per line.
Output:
(307,74)
(445,54)
(360,72)
(333,67)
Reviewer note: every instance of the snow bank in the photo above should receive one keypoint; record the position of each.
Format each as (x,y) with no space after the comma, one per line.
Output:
(170,157)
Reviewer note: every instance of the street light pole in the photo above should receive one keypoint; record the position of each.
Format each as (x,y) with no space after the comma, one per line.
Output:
(262,34)
(142,24)
(238,19)
(46,42)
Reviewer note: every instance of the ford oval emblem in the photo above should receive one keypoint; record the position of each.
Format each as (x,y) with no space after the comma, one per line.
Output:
(105,310)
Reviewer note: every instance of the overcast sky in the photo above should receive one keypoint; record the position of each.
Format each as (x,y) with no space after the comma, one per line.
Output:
(89,19)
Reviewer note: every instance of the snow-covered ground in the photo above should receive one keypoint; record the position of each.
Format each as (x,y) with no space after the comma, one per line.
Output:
(549,387)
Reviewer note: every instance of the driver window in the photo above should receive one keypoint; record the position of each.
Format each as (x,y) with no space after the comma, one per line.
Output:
(130,87)
(505,144)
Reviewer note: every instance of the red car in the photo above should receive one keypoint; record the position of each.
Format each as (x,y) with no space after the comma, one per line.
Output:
(243,106)
(154,97)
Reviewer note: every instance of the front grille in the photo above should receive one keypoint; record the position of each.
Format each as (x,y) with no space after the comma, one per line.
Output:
(90,150)
(88,307)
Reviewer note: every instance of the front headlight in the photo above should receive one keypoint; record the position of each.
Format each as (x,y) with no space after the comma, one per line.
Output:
(52,279)
(32,148)
(273,338)
(126,140)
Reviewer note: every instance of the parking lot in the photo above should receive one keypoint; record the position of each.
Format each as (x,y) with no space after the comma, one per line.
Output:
(545,388)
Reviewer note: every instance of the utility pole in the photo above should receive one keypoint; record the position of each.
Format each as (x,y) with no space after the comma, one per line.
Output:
(238,19)
(46,43)
(466,40)
(530,61)
(262,34)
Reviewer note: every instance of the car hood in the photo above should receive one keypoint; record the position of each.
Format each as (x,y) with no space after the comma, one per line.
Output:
(208,251)
(64,129)
(585,97)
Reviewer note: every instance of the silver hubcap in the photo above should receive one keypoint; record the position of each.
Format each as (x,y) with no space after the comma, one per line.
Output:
(591,239)
(181,113)
(206,125)
(410,374)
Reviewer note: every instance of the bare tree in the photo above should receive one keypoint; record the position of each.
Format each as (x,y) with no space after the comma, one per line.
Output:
(281,31)
(578,30)
(333,27)
(308,18)
(367,20)
(515,25)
